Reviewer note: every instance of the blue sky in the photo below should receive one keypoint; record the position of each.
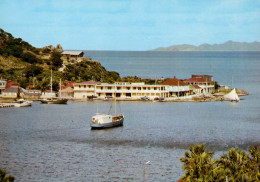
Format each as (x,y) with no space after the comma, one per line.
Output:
(130,24)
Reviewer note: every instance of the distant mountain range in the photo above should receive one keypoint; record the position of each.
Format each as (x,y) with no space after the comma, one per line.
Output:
(227,46)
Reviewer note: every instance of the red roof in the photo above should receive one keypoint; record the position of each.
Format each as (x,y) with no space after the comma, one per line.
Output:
(173,81)
(69,83)
(29,87)
(87,83)
(196,86)
(49,91)
(197,80)
(10,83)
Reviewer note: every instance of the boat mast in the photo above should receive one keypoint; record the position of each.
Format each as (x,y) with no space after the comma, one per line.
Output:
(60,87)
(115,103)
(51,81)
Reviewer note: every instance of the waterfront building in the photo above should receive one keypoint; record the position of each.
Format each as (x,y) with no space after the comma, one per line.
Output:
(195,89)
(48,94)
(126,90)
(206,77)
(13,92)
(2,85)
(176,87)
(122,90)
(67,90)
(207,86)
(85,89)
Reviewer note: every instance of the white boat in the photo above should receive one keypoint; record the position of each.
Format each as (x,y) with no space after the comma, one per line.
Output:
(101,121)
(22,103)
(232,96)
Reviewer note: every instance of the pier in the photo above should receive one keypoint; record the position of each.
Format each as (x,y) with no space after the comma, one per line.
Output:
(4,105)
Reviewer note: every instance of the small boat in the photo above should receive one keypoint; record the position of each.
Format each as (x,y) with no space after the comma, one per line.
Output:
(101,121)
(232,96)
(54,101)
(23,103)
(145,98)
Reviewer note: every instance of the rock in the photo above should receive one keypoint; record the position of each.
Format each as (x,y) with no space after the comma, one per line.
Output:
(59,48)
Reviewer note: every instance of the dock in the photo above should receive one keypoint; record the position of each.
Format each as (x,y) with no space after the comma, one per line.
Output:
(4,105)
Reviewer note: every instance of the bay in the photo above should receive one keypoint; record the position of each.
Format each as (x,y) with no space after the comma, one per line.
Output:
(55,143)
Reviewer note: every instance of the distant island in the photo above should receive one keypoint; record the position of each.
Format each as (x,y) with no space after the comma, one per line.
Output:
(227,46)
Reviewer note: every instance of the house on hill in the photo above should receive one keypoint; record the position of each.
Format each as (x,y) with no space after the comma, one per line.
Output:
(176,87)
(69,55)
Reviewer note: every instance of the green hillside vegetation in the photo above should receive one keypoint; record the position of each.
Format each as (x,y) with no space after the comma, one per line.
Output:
(227,46)
(21,62)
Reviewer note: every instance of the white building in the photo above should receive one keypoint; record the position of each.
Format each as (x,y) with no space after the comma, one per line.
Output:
(176,87)
(207,86)
(122,90)
(2,85)
(48,94)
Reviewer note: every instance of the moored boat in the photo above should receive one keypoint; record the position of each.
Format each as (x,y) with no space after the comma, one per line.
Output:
(54,101)
(232,96)
(23,103)
(101,121)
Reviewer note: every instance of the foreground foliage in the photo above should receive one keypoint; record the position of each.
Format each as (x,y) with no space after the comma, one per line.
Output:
(236,165)
(4,177)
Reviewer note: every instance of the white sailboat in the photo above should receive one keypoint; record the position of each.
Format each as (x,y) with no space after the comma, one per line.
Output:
(232,96)
(100,121)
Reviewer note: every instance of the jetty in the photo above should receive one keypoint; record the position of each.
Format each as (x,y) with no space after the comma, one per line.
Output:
(4,105)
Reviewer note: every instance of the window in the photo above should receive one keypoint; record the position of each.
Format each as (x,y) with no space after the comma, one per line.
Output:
(128,88)
(155,88)
(134,88)
(139,88)
(144,88)
(149,88)
(101,88)
(118,88)
(84,86)
(79,86)
(109,88)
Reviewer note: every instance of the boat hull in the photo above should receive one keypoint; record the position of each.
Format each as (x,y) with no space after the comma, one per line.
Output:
(63,101)
(107,125)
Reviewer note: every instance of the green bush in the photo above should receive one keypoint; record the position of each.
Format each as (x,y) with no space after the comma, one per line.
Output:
(29,57)
(4,177)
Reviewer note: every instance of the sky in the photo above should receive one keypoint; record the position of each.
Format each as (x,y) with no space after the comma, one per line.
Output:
(130,24)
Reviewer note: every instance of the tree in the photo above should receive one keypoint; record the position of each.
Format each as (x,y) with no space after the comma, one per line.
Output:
(4,177)
(55,59)
(32,70)
(198,164)
(29,57)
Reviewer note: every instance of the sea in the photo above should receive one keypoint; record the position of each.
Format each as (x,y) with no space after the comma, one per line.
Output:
(55,142)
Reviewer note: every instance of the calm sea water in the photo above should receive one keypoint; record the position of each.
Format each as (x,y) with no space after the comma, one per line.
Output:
(55,143)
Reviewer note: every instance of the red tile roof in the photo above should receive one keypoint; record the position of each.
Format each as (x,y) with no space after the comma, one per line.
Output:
(197,80)
(173,81)
(10,83)
(29,87)
(49,91)
(196,86)
(87,83)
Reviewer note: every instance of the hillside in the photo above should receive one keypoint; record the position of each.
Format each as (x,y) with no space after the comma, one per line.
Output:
(227,46)
(22,62)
